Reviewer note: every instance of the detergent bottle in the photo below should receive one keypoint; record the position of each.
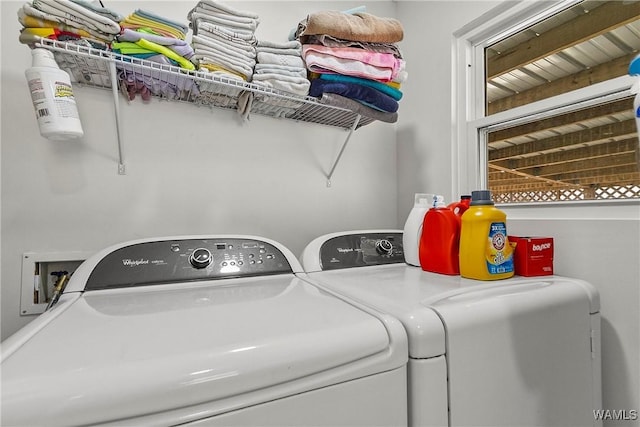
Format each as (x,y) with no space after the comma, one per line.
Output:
(413,228)
(460,207)
(52,97)
(440,240)
(485,252)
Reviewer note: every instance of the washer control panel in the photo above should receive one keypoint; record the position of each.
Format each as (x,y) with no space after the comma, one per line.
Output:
(172,261)
(359,250)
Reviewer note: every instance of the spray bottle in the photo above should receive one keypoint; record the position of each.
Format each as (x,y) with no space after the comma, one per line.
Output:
(52,97)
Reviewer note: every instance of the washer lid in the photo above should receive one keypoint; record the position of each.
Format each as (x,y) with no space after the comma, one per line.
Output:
(396,289)
(119,353)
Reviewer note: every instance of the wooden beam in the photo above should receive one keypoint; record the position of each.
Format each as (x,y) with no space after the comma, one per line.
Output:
(629,145)
(525,186)
(594,163)
(601,181)
(533,177)
(598,21)
(615,68)
(563,120)
(596,175)
(596,135)
(618,174)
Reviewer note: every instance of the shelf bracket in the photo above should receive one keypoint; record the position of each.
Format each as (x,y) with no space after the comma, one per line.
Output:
(116,106)
(344,145)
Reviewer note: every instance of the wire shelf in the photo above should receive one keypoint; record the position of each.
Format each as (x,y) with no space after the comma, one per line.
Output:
(93,67)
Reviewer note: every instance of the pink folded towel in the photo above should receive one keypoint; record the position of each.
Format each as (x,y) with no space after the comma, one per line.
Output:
(385,60)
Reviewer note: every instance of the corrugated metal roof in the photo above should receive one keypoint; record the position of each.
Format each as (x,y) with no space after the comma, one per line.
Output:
(591,140)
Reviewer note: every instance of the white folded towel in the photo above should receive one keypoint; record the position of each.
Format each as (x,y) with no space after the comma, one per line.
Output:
(204,56)
(278,51)
(227,48)
(198,17)
(227,34)
(280,69)
(29,10)
(296,85)
(293,44)
(214,5)
(272,58)
(79,14)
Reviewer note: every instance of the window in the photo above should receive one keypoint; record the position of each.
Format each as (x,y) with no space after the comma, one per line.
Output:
(556,119)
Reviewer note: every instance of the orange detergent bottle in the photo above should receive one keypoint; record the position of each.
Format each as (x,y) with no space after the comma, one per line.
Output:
(440,239)
(485,252)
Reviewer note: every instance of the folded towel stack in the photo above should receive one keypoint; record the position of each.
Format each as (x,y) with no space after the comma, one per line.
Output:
(354,56)
(146,43)
(142,19)
(280,66)
(69,21)
(224,39)
(146,35)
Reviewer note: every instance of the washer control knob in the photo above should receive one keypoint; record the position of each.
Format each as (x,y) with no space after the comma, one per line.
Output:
(201,258)
(384,247)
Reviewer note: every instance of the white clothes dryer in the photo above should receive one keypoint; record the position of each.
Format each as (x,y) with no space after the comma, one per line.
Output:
(515,352)
(203,330)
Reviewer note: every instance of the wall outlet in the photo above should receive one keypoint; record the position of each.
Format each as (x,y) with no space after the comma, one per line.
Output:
(39,277)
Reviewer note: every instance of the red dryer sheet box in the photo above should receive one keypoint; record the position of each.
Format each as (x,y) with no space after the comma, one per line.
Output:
(533,256)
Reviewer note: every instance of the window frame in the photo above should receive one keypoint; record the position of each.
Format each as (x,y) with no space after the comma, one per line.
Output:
(471,125)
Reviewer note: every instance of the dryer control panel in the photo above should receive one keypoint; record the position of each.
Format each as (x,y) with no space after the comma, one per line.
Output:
(361,249)
(173,261)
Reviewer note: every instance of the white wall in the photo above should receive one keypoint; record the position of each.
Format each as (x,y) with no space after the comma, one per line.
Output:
(597,244)
(425,126)
(605,252)
(267,177)
(189,170)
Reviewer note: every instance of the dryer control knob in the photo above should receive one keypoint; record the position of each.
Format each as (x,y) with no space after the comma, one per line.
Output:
(201,258)
(384,247)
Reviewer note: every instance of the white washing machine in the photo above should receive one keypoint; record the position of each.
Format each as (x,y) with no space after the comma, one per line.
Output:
(515,352)
(204,330)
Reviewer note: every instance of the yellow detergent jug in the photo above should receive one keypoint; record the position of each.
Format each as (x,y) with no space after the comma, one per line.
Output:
(485,252)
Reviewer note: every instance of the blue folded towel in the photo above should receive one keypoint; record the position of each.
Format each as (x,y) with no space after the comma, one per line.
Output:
(363,94)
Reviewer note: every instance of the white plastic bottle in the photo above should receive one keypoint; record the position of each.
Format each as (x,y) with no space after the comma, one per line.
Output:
(413,228)
(52,96)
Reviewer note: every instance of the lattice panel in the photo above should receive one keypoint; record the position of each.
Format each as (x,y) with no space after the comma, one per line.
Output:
(631,191)
(618,192)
